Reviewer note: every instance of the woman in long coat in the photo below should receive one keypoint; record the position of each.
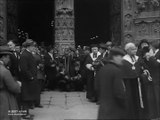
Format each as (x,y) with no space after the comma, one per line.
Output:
(8,89)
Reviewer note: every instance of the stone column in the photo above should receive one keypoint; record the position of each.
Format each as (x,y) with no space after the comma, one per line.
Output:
(115,21)
(64,24)
(127,21)
(3,25)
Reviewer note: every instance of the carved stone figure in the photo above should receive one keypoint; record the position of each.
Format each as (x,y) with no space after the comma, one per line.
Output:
(128,22)
(141,4)
(144,29)
(128,38)
(128,4)
(156,29)
(155,2)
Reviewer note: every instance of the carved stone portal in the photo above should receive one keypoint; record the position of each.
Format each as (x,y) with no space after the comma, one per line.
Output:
(141,21)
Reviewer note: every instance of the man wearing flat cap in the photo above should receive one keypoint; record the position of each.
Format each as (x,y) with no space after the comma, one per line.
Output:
(112,91)
(30,84)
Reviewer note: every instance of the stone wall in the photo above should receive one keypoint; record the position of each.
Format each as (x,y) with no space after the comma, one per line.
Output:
(3,22)
(140,20)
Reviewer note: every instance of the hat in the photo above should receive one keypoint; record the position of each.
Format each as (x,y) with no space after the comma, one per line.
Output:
(109,43)
(117,51)
(5,50)
(103,46)
(143,41)
(28,42)
(93,45)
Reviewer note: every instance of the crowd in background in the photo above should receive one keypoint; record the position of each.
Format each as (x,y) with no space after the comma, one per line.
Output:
(123,80)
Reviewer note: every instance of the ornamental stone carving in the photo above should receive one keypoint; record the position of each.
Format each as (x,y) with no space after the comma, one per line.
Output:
(128,38)
(128,4)
(128,22)
(155,28)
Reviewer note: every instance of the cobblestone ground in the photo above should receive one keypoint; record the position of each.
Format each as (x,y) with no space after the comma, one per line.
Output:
(65,105)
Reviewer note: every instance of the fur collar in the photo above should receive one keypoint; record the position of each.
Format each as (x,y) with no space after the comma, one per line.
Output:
(91,55)
(128,58)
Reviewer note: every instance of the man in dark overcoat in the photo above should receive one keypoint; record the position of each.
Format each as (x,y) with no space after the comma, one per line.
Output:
(30,84)
(112,90)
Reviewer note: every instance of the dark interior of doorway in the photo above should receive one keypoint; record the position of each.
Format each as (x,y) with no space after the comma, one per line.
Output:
(91,20)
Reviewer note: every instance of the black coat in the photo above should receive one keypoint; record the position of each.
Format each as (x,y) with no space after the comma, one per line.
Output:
(50,71)
(14,65)
(149,96)
(154,66)
(30,84)
(112,93)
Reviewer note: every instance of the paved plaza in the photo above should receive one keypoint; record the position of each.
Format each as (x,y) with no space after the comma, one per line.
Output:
(65,105)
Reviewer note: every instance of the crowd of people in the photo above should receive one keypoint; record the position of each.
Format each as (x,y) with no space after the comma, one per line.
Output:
(123,80)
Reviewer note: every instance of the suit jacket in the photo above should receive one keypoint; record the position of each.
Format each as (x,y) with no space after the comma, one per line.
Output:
(14,65)
(28,66)
(48,61)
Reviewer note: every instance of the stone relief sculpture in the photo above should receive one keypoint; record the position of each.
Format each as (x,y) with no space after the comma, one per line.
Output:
(147,5)
(155,3)
(141,4)
(156,29)
(128,4)
(64,8)
(142,29)
(128,38)
(128,22)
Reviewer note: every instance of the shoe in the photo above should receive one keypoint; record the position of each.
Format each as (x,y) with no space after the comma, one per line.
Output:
(39,106)
(32,107)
